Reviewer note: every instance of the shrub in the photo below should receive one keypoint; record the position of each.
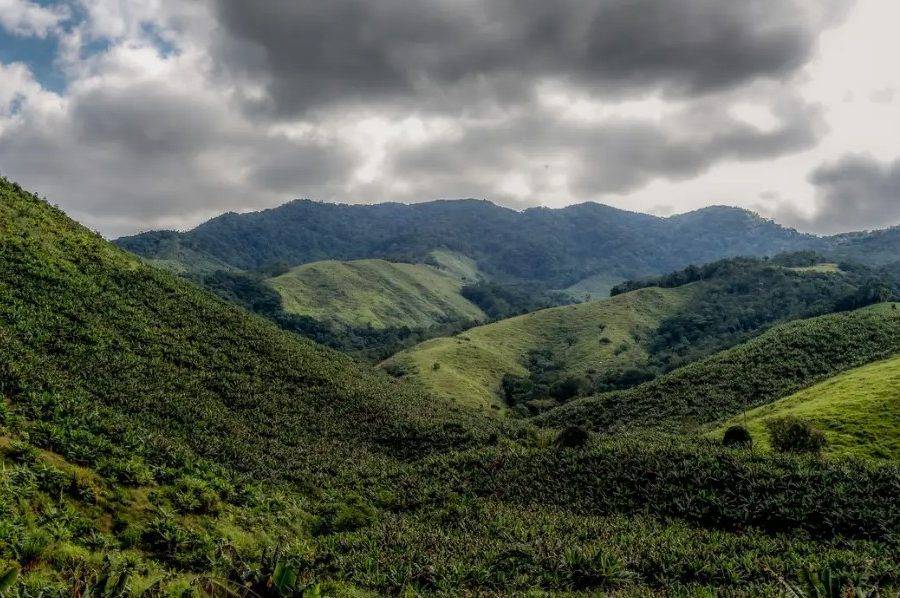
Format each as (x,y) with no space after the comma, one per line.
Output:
(349,515)
(737,437)
(572,437)
(795,435)
(191,495)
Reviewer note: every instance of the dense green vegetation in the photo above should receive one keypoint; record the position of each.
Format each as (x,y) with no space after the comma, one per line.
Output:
(776,364)
(156,440)
(556,248)
(722,304)
(858,410)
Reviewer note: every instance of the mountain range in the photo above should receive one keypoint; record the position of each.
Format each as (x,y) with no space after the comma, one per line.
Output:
(555,247)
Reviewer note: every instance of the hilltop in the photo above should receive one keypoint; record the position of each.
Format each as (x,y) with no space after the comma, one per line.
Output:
(646,329)
(376,293)
(778,363)
(469,367)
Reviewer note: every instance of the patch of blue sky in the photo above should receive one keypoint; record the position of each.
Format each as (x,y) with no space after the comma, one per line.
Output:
(38,54)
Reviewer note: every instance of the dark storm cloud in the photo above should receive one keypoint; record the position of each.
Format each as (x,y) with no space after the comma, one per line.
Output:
(311,54)
(148,155)
(855,193)
(610,156)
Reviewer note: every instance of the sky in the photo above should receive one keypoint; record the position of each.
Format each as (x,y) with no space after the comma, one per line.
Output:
(144,114)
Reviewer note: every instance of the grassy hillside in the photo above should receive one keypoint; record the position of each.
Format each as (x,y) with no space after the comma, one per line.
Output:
(469,367)
(859,411)
(155,441)
(781,361)
(375,293)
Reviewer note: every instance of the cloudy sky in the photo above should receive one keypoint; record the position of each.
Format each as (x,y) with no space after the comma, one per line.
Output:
(140,114)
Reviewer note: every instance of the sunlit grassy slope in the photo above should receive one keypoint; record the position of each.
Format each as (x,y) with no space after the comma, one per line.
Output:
(468,367)
(859,411)
(378,293)
(776,364)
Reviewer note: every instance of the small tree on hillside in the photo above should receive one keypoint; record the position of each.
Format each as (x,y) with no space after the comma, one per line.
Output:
(795,435)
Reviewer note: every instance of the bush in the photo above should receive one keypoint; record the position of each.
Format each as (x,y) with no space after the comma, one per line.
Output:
(795,435)
(737,437)
(572,437)
(349,515)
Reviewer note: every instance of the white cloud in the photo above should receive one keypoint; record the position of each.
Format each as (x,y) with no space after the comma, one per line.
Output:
(25,18)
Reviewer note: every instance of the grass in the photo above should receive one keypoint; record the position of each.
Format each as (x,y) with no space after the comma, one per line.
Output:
(456,264)
(377,293)
(468,367)
(859,411)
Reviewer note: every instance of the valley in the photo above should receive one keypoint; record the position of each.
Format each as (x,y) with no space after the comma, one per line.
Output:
(176,438)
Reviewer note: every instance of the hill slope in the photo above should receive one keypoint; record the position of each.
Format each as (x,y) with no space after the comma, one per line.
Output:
(375,293)
(776,364)
(536,361)
(83,321)
(859,411)
(469,367)
(557,248)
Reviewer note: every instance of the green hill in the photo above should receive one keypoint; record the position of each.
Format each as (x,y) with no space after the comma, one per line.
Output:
(859,411)
(537,361)
(156,441)
(780,362)
(375,293)
(469,367)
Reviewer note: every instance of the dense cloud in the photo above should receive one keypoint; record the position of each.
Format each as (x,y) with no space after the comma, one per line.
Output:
(612,155)
(175,111)
(310,54)
(855,193)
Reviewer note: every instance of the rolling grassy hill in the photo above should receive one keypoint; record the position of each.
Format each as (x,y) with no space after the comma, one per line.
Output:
(859,411)
(157,441)
(375,293)
(469,367)
(782,361)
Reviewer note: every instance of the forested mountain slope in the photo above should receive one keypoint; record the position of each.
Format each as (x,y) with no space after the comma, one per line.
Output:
(557,247)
